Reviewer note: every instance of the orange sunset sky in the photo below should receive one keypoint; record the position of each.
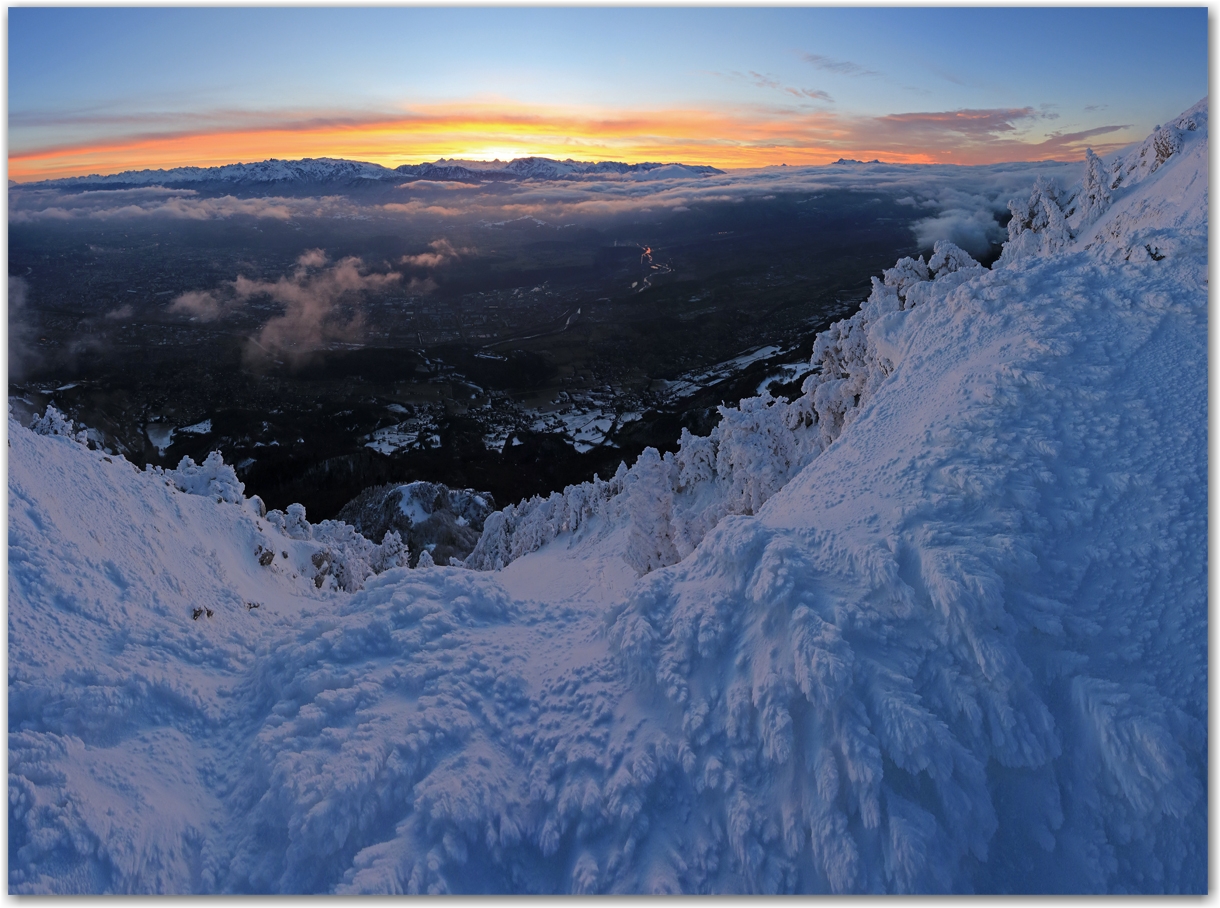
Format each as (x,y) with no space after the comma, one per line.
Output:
(101,91)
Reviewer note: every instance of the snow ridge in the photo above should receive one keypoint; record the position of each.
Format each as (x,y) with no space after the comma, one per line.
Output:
(936,625)
(329,170)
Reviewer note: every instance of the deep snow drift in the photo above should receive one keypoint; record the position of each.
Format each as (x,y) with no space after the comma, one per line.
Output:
(938,624)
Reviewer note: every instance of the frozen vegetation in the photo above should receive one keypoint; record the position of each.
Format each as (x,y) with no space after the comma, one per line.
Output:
(939,623)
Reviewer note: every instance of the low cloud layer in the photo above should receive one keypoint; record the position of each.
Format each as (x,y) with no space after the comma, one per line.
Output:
(51,204)
(957,203)
(962,204)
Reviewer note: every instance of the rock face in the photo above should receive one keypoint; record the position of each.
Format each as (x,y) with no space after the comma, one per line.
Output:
(427,515)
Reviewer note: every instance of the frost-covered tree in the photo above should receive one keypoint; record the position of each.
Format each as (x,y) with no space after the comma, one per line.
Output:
(650,502)
(393,553)
(906,273)
(1038,225)
(1094,195)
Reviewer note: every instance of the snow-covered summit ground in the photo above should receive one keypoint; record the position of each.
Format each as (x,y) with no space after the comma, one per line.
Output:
(938,624)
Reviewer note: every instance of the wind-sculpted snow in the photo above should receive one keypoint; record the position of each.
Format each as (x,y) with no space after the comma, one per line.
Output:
(984,650)
(938,624)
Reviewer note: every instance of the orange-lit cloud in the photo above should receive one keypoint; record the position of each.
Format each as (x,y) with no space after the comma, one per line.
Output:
(732,138)
(320,304)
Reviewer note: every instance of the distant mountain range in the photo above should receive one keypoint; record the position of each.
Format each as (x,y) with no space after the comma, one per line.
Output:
(332,170)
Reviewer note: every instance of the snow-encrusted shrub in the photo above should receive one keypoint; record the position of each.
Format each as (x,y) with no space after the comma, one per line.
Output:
(1038,225)
(53,422)
(949,258)
(344,555)
(213,478)
(293,523)
(349,557)
(906,273)
(758,449)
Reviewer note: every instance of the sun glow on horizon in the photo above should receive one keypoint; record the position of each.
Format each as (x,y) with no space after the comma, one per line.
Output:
(103,91)
(728,138)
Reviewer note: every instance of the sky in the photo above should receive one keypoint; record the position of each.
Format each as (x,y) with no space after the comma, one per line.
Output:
(95,90)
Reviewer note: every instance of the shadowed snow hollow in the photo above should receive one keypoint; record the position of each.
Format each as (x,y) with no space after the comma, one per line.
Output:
(937,625)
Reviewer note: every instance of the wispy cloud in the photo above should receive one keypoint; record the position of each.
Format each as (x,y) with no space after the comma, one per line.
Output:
(122,313)
(766,80)
(812,93)
(1072,144)
(839,67)
(948,76)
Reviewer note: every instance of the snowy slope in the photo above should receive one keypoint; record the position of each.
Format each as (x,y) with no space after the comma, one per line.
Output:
(938,624)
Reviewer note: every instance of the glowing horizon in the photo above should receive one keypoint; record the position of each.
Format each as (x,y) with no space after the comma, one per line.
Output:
(749,88)
(760,139)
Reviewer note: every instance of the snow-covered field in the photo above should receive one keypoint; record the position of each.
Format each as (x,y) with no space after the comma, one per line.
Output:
(939,624)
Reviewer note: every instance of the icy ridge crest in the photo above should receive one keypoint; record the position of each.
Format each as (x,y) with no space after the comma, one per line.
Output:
(672,501)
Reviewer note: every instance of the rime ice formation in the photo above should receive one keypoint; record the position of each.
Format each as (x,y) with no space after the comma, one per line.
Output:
(938,624)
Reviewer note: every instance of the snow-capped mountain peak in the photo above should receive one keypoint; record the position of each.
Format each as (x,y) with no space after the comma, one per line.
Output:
(337,170)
